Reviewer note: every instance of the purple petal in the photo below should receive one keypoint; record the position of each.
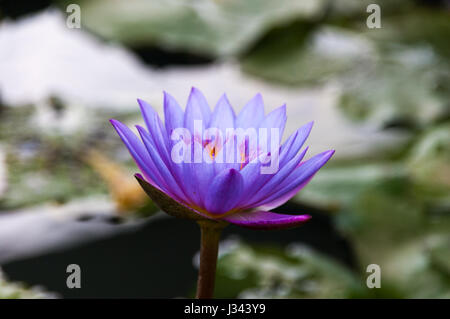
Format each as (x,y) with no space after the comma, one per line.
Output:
(250,173)
(156,129)
(157,136)
(223,116)
(161,166)
(294,143)
(275,119)
(300,175)
(139,154)
(257,185)
(252,114)
(197,108)
(284,198)
(190,183)
(253,181)
(276,179)
(204,174)
(173,114)
(266,220)
(169,204)
(150,116)
(191,176)
(224,192)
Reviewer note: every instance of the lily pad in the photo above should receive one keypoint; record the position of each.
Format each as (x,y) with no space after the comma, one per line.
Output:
(215,28)
(300,54)
(246,271)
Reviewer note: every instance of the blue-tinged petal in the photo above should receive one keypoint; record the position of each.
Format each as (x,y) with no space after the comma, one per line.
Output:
(188,176)
(150,116)
(139,154)
(223,116)
(285,197)
(250,173)
(202,176)
(159,138)
(252,114)
(300,175)
(227,156)
(266,220)
(294,143)
(173,114)
(276,179)
(197,109)
(275,120)
(163,169)
(169,204)
(157,131)
(253,181)
(224,192)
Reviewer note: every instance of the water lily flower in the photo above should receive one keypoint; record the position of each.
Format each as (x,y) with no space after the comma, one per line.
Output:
(233,192)
(211,188)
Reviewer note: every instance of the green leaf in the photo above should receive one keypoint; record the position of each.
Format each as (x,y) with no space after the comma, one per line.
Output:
(215,28)
(270,272)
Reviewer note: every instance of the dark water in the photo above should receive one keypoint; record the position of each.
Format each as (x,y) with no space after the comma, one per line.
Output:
(156,261)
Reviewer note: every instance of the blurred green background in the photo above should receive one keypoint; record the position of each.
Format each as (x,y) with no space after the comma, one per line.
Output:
(380,97)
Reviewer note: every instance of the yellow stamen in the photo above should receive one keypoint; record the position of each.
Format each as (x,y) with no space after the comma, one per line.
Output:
(242,160)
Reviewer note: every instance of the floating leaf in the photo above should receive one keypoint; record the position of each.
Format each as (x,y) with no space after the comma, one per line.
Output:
(206,27)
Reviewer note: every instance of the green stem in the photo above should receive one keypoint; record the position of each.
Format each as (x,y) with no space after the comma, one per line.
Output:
(209,247)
